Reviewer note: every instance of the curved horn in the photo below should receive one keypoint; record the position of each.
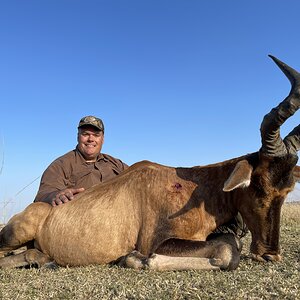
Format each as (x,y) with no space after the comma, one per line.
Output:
(272,143)
(292,140)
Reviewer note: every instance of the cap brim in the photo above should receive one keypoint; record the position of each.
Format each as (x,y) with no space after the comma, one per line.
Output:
(89,124)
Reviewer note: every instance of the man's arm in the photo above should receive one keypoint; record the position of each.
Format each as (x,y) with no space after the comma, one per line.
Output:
(54,186)
(60,197)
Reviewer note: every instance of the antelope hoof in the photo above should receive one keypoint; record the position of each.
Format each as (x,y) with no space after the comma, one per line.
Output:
(266,257)
(272,257)
(217,262)
(135,260)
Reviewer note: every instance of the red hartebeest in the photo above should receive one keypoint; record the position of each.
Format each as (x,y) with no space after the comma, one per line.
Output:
(161,217)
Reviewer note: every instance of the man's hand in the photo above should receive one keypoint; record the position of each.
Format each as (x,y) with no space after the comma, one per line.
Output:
(65,196)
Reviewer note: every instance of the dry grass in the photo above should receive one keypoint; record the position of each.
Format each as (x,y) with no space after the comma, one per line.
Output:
(291,214)
(251,280)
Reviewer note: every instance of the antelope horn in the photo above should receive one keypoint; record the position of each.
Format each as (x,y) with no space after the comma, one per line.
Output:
(272,143)
(289,72)
(292,140)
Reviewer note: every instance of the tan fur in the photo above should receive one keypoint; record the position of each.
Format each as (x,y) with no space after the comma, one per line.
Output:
(139,210)
(133,211)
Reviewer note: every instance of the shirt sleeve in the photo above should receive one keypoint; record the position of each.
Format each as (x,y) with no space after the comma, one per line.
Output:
(53,180)
(116,163)
(123,166)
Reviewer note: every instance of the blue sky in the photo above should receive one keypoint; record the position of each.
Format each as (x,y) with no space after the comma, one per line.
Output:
(181,83)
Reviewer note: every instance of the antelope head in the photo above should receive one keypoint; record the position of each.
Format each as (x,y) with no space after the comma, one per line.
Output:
(266,177)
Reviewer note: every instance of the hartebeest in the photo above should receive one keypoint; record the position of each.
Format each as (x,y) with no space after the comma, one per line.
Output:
(161,217)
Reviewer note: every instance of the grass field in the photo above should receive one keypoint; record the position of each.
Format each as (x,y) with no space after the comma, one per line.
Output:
(252,280)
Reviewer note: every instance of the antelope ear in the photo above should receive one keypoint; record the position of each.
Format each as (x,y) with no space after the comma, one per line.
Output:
(239,177)
(296,173)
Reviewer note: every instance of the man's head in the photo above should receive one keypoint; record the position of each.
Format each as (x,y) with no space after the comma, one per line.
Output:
(90,137)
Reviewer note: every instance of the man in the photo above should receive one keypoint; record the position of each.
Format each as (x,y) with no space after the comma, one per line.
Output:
(80,168)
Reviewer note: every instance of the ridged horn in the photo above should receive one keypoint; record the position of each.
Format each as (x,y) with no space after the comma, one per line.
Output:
(272,144)
(292,140)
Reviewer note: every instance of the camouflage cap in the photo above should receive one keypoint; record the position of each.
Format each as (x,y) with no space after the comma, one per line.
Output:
(92,121)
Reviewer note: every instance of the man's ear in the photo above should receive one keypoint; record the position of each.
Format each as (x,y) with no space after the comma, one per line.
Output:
(239,177)
(296,173)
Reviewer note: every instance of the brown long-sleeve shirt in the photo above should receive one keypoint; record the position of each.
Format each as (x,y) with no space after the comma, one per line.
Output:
(72,171)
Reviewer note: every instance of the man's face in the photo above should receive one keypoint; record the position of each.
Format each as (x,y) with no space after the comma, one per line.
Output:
(90,141)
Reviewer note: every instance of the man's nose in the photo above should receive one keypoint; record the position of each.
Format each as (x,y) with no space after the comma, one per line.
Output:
(91,137)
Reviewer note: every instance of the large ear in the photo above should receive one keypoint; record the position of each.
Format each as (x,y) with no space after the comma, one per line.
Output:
(239,177)
(296,173)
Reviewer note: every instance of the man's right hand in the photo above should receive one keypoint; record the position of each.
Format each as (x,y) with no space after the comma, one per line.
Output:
(65,196)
